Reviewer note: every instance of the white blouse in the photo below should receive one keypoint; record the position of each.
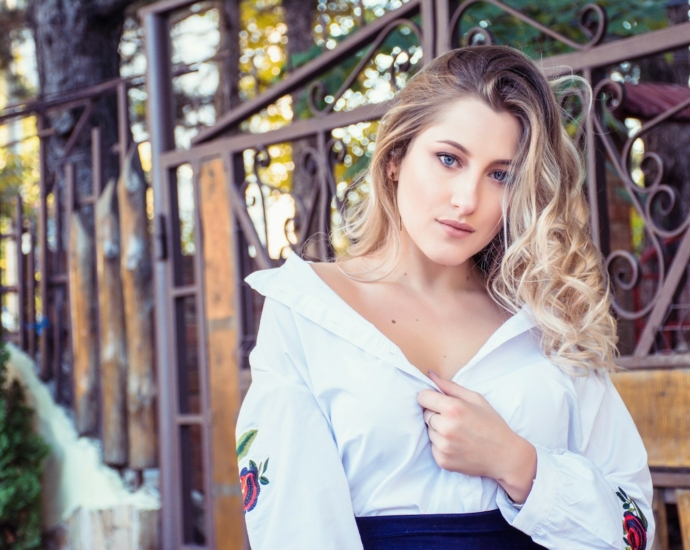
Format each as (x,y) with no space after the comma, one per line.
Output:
(333,405)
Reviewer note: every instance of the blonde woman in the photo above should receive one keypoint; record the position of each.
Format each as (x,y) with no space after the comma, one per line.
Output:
(445,385)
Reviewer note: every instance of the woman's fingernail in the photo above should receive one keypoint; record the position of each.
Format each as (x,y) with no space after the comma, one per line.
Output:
(432,372)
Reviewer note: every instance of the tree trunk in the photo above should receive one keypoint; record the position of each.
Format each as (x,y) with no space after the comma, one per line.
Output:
(228,95)
(77,47)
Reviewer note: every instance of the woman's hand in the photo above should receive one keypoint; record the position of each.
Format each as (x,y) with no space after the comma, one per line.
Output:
(469,436)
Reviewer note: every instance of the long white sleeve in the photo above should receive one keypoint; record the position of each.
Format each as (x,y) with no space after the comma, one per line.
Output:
(295,491)
(597,493)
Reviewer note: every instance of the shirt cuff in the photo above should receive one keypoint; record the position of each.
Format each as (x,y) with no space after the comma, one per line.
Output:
(540,500)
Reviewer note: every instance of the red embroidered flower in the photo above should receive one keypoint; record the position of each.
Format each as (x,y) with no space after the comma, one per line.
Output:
(250,487)
(634,531)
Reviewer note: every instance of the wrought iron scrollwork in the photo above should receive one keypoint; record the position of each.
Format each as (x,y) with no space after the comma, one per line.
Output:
(317,92)
(655,194)
(592,20)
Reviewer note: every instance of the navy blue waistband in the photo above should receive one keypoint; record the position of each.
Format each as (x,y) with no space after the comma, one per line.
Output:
(476,531)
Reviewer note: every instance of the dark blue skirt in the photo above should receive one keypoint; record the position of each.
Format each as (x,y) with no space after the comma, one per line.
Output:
(477,531)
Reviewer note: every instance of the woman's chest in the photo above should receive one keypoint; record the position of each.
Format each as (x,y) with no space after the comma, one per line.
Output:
(371,403)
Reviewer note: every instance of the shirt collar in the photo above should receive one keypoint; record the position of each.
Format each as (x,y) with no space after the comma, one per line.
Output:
(296,285)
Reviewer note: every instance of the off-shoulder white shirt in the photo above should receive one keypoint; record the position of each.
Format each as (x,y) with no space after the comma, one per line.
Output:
(331,429)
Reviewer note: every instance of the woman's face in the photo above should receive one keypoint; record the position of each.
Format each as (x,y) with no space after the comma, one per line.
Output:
(454,173)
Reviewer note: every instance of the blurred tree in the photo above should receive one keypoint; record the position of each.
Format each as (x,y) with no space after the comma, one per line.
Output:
(77,47)
(228,95)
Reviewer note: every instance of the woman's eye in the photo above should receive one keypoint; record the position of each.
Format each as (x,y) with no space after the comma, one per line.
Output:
(500,175)
(446,160)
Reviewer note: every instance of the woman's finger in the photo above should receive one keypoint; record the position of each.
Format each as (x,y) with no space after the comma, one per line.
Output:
(431,399)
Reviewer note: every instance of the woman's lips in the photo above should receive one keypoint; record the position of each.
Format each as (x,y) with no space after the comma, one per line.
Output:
(454,231)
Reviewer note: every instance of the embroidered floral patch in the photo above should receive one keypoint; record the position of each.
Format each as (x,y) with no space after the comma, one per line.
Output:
(252,477)
(634,523)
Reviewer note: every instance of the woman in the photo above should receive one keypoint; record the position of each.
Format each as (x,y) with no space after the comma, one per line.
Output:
(446,385)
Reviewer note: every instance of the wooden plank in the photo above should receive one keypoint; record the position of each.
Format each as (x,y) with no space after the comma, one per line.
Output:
(659,402)
(82,298)
(683,500)
(113,347)
(660,520)
(223,368)
(136,271)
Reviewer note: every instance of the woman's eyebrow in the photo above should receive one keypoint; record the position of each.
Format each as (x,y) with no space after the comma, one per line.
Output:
(464,150)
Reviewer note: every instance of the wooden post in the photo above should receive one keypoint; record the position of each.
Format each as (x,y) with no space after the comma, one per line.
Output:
(660,520)
(683,500)
(113,348)
(137,286)
(223,376)
(84,334)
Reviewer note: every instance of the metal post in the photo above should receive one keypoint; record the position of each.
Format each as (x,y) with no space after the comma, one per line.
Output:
(31,290)
(123,134)
(160,116)
(21,275)
(96,162)
(43,250)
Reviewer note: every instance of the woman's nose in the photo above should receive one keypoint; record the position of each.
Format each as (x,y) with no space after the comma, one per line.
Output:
(466,193)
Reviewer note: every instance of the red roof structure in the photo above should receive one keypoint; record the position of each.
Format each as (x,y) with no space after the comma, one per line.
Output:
(647,100)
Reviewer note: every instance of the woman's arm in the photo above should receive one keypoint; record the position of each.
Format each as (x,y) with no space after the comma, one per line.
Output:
(596,494)
(295,491)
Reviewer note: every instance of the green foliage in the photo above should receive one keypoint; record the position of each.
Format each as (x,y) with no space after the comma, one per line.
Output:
(22,452)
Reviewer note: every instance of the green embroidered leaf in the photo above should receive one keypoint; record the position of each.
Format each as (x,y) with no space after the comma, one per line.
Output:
(641,515)
(620,496)
(252,464)
(265,466)
(263,480)
(245,442)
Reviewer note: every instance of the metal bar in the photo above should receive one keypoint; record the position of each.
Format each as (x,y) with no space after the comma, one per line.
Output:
(71,201)
(183,291)
(302,128)
(75,99)
(160,117)
(8,289)
(43,250)
(427,9)
(57,354)
(162,8)
(235,169)
(656,317)
(190,419)
(96,162)
(31,290)
(596,178)
(21,273)
(671,361)
(618,51)
(307,72)
(123,135)
(74,136)
(58,279)
(441,27)
(202,349)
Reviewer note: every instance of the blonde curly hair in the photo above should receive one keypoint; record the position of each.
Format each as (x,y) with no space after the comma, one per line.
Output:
(549,261)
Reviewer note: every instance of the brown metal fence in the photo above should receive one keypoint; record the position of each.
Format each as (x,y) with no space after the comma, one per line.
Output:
(438,26)
(208,235)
